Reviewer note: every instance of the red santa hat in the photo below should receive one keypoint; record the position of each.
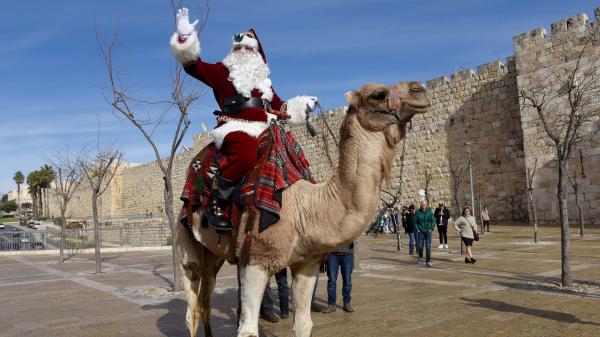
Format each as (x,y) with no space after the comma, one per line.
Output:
(249,39)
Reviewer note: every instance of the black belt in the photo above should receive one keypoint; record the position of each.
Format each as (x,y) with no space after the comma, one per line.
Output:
(235,104)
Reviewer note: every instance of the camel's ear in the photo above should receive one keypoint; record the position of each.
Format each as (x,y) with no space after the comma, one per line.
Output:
(353,98)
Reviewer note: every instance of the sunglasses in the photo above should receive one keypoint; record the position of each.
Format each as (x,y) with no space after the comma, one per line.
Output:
(240,36)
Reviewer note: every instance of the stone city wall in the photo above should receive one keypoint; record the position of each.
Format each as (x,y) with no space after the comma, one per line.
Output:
(480,107)
(469,106)
(537,54)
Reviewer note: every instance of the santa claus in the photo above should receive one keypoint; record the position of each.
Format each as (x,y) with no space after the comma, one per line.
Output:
(245,95)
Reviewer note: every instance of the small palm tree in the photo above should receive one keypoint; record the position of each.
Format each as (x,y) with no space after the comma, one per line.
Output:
(46,177)
(33,180)
(19,179)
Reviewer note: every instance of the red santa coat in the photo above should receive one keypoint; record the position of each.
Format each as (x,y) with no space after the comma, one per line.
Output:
(235,139)
(216,76)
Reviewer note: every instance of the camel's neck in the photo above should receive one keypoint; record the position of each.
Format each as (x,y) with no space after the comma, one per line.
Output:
(354,189)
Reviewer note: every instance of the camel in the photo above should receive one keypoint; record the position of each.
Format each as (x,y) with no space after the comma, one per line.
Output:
(315,218)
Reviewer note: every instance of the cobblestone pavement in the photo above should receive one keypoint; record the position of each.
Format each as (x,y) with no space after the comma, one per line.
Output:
(511,291)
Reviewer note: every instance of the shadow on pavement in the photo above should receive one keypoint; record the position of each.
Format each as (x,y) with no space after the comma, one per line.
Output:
(156,273)
(549,287)
(506,307)
(223,323)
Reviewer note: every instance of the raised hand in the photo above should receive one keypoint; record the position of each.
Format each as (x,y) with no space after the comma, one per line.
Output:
(184,27)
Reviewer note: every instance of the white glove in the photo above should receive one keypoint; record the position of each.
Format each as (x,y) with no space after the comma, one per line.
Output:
(184,27)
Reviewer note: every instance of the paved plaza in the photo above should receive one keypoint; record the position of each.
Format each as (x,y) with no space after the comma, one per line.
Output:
(512,290)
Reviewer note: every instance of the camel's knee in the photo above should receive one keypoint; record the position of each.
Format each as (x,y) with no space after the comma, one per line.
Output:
(190,270)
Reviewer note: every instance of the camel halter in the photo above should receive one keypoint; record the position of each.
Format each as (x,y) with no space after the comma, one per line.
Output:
(392,103)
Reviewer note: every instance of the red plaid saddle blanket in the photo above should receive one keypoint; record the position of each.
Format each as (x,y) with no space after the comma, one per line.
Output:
(280,163)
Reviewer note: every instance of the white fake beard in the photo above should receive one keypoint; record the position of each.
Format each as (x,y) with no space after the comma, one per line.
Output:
(248,72)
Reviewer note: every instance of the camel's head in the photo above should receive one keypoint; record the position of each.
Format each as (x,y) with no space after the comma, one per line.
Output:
(388,109)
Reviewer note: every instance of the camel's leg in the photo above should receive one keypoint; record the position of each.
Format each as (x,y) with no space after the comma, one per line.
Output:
(192,316)
(254,280)
(190,253)
(304,277)
(210,267)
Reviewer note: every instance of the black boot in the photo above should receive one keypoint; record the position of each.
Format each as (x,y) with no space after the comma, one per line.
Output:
(222,191)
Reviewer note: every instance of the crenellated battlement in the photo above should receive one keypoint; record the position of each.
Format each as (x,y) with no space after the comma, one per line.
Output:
(441,81)
(491,68)
(483,71)
(578,24)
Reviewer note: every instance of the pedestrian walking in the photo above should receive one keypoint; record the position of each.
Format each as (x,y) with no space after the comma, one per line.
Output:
(410,228)
(425,224)
(485,219)
(442,214)
(342,259)
(466,227)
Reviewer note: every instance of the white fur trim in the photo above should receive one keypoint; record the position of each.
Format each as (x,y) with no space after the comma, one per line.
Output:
(253,129)
(247,41)
(266,88)
(296,107)
(188,51)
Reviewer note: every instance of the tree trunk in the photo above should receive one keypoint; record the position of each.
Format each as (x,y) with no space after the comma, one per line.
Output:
(63,211)
(19,199)
(455,196)
(535,224)
(581,224)
(47,204)
(41,205)
(33,205)
(168,192)
(96,231)
(567,280)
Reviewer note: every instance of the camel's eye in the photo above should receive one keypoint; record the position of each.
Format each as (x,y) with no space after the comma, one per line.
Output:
(380,95)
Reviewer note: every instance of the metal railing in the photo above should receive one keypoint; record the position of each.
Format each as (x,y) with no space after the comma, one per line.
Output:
(75,239)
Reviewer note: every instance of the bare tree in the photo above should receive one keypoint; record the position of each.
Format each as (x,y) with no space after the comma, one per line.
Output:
(458,174)
(529,176)
(125,106)
(563,98)
(67,179)
(99,172)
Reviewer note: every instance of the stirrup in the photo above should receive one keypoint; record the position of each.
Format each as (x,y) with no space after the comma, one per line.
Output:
(222,191)
(219,224)
(217,220)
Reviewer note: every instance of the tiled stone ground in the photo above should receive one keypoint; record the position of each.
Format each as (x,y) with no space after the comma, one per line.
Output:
(511,291)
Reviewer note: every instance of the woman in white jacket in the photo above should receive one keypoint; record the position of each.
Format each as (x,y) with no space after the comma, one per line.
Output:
(465,225)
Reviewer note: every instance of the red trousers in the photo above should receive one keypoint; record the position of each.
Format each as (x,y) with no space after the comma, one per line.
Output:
(238,155)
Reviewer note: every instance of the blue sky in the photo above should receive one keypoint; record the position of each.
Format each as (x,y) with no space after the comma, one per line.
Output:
(51,73)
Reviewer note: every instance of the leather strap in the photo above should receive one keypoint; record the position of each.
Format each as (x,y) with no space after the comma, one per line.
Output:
(235,104)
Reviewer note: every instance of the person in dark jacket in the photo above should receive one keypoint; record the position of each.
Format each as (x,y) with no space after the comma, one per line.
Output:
(410,228)
(442,214)
(425,225)
(342,258)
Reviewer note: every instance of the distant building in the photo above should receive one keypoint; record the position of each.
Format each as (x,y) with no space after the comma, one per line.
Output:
(25,196)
